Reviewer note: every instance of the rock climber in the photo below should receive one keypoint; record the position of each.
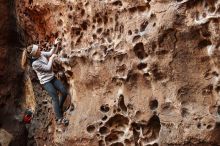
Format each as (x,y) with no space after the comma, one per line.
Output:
(43,67)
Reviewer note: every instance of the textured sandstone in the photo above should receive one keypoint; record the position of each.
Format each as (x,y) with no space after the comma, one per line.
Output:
(139,72)
(5,137)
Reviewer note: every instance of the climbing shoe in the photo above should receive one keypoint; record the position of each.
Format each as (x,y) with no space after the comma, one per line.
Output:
(63,121)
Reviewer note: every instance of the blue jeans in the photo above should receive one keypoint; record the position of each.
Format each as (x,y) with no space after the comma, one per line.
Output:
(52,88)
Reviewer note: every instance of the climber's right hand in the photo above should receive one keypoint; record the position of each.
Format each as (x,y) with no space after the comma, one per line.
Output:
(53,56)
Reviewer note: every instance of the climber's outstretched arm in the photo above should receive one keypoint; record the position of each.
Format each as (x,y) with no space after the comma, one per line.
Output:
(44,67)
(50,53)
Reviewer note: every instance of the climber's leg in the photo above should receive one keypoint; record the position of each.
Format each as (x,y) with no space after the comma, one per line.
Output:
(59,85)
(55,99)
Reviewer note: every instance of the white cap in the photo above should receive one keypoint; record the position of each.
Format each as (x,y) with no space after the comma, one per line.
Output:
(34,49)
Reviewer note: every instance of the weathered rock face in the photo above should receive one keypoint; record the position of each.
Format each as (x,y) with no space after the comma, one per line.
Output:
(142,72)
(11,78)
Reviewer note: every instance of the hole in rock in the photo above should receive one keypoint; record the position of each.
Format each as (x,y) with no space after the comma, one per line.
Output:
(90,128)
(217,88)
(218,110)
(143,26)
(127,142)
(211,9)
(99,30)
(101,143)
(205,59)
(106,33)
(84,25)
(103,130)
(99,20)
(111,19)
(121,103)
(199,125)
(153,104)
(121,28)
(130,106)
(64,55)
(120,57)
(71,8)
(136,31)
(75,31)
(136,126)
(111,137)
(94,36)
(204,43)
(152,16)
(129,32)
(79,38)
(104,108)
(153,127)
(138,114)
(139,50)
(109,39)
(205,32)
(209,127)
(143,7)
(184,112)
(155,144)
(146,75)
(94,20)
(117,3)
(70,16)
(105,19)
(104,118)
(136,38)
(192,3)
(82,12)
(142,66)
(162,52)
(207,90)
(183,91)
(154,46)
(118,110)
(60,22)
(157,74)
(116,19)
(132,77)
(136,137)
(117,120)
(119,36)
(117,144)
(132,9)
(30,2)
(214,73)
(69,72)
(218,11)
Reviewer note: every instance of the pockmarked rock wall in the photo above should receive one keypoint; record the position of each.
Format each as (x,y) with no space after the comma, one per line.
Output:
(139,72)
(12,131)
